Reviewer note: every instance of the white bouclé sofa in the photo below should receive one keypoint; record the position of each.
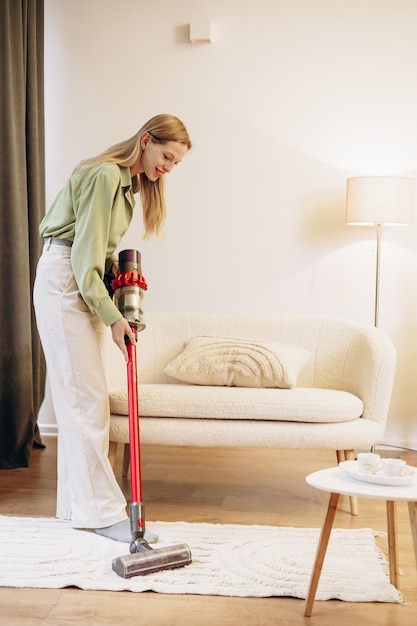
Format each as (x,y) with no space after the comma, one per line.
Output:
(338,397)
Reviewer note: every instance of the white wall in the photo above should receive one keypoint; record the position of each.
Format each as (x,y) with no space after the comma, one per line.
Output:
(289,100)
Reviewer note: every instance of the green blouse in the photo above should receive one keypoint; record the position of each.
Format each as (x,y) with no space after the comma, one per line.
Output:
(93,210)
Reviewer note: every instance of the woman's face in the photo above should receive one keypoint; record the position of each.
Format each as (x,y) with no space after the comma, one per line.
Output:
(157,159)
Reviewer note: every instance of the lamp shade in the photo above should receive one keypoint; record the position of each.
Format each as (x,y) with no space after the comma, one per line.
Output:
(380,200)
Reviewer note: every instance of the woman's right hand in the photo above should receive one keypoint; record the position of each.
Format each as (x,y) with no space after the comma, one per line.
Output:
(118,330)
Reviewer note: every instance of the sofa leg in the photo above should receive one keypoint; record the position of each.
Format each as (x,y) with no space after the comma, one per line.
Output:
(126,460)
(340,454)
(112,452)
(348,455)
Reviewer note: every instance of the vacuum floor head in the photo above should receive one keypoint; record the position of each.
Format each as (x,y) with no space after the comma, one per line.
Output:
(153,560)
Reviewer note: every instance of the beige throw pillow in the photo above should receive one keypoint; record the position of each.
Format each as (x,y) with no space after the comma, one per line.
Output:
(225,361)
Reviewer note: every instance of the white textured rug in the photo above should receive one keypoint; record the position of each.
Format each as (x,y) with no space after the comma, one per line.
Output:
(228,560)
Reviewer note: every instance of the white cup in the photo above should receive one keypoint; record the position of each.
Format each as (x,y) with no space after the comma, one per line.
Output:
(394,467)
(369,462)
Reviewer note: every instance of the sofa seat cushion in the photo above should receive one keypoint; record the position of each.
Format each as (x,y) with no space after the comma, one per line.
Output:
(299,404)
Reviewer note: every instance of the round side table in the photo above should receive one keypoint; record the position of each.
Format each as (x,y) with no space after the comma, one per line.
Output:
(337,482)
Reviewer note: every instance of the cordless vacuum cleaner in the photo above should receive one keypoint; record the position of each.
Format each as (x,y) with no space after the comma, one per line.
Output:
(128,289)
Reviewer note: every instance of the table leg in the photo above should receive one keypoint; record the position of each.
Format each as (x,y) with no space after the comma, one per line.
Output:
(321,552)
(412,510)
(392,543)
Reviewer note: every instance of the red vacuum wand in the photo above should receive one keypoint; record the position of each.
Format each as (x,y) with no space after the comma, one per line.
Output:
(128,289)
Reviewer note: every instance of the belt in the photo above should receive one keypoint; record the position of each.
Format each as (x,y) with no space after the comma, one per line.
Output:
(59,242)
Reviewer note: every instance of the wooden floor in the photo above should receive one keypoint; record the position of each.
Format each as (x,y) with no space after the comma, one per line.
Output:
(243,486)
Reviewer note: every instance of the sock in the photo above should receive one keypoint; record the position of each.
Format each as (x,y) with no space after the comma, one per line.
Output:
(121,532)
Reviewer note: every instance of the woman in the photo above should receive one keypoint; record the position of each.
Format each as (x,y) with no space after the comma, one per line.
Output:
(82,230)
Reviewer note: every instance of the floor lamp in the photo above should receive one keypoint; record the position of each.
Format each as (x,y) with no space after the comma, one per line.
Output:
(378,200)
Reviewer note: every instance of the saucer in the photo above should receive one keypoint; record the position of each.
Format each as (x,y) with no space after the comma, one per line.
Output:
(352,470)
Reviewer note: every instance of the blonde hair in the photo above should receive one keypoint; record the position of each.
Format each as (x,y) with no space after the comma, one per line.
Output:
(161,128)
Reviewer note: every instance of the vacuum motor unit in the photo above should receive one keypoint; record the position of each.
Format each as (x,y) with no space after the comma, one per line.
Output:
(128,287)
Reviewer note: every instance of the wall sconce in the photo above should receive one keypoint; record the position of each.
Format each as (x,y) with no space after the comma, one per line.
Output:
(200,30)
(378,200)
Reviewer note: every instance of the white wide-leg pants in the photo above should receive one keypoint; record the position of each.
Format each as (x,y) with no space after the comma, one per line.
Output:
(72,337)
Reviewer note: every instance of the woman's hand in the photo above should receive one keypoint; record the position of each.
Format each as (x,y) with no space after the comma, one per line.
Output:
(118,330)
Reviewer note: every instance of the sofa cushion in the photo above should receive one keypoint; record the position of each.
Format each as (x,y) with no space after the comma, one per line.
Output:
(300,404)
(237,362)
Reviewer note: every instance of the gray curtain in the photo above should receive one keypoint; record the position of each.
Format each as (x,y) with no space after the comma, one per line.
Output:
(22,205)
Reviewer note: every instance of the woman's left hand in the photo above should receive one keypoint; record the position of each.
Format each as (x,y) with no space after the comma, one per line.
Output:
(118,330)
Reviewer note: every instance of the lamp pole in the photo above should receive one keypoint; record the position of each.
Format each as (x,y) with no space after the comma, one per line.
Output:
(377,271)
